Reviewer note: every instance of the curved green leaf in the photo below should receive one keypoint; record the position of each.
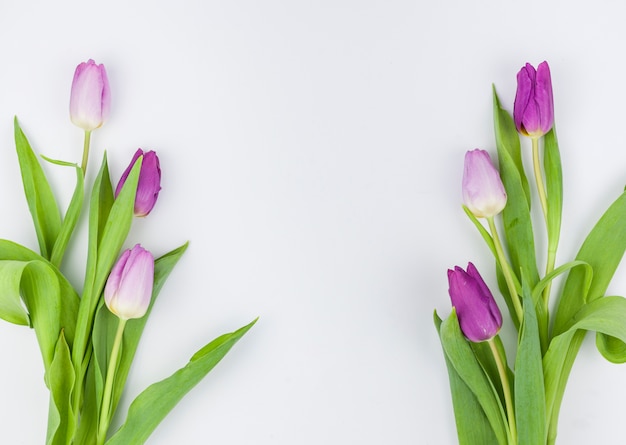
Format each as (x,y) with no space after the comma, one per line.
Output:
(41,202)
(530,414)
(472,425)
(603,250)
(470,371)
(156,401)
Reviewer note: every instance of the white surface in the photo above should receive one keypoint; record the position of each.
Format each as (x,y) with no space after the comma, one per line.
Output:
(312,154)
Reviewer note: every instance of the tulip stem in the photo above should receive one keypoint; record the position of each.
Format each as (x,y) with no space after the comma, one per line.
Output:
(506,388)
(86,144)
(541,188)
(506,270)
(105,412)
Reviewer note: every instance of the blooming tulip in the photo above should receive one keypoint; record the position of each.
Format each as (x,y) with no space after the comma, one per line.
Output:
(149,183)
(478,314)
(129,287)
(483,191)
(533,111)
(90,98)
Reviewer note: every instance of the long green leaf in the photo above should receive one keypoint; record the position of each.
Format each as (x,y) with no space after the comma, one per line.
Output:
(516,217)
(61,382)
(554,187)
(605,315)
(41,202)
(603,250)
(69,298)
(470,371)
(156,401)
(530,407)
(71,215)
(472,425)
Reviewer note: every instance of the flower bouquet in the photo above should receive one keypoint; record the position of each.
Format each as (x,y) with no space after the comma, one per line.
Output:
(496,402)
(88,339)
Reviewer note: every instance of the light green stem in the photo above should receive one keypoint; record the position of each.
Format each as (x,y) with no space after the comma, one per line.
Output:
(506,388)
(506,270)
(541,191)
(105,412)
(86,143)
(541,188)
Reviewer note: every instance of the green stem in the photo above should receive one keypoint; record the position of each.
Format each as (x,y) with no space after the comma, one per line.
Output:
(86,143)
(506,388)
(105,412)
(506,270)
(541,191)
(541,188)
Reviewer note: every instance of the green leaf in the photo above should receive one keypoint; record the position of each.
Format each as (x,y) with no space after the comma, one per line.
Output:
(109,223)
(603,250)
(516,217)
(60,378)
(472,425)
(469,370)
(41,201)
(605,315)
(530,404)
(156,401)
(11,308)
(68,297)
(554,187)
(71,216)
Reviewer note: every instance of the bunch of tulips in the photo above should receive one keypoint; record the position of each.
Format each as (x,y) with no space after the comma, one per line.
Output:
(498,403)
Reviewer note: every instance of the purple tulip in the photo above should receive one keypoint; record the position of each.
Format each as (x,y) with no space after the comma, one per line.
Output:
(477,311)
(129,287)
(149,181)
(483,191)
(90,98)
(533,111)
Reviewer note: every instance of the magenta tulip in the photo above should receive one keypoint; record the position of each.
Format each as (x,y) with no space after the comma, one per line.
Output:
(483,191)
(90,98)
(477,311)
(533,111)
(149,181)
(129,287)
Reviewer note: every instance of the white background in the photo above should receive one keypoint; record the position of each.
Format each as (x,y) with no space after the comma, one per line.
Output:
(312,154)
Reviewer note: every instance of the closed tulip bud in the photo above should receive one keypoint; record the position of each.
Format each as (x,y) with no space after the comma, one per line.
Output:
(129,287)
(90,98)
(483,191)
(149,183)
(477,311)
(533,111)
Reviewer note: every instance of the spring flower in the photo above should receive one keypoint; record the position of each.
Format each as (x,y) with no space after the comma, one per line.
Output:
(483,191)
(479,316)
(129,287)
(533,111)
(149,181)
(90,98)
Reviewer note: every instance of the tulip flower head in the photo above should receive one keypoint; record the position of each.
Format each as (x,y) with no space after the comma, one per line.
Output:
(533,110)
(483,191)
(477,311)
(129,287)
(149,182)
(90,98)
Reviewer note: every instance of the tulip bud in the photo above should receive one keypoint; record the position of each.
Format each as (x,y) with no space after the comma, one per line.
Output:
(483,191)
(477,311)
(129,287)
(90,98)
(533,110)
(149,183)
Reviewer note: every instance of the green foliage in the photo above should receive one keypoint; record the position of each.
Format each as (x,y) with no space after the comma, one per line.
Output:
(76,333)
(547,345)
